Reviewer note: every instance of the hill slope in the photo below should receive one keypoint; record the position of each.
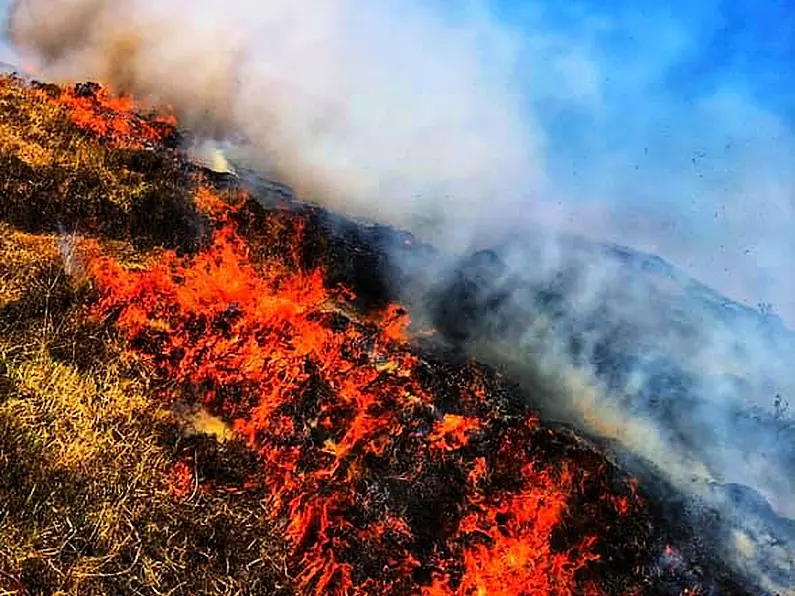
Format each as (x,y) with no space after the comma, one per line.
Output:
(202,395)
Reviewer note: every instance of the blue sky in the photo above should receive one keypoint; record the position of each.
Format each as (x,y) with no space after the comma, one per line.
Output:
(667,127)
(676,121)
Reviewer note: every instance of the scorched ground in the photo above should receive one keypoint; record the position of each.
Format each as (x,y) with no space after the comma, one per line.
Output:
(342,456)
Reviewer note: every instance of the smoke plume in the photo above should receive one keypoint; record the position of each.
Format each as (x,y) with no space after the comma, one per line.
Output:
(403,113)
(384,109)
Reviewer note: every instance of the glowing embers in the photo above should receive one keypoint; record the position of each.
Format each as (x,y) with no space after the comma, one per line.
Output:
(113,118)
(388,473)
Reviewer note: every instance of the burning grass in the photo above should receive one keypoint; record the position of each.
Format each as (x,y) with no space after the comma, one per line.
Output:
(384,471)
(193,400)
(112,119)
(59,175)
(87,456)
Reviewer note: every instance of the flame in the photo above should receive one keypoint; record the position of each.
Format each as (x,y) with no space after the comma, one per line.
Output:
(386,472)
(182,480)
(453,432)
(379,481)
(514,553)
(113,118)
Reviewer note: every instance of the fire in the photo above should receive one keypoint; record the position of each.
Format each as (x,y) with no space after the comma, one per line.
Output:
(113,118)
(516,555)
(387,472)
(452,432)
(387,469)
(380,481)
(182,479)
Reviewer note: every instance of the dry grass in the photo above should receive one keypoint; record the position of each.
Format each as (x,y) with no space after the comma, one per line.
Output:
(88,496)
(89,454)
(58,176)
(30,123)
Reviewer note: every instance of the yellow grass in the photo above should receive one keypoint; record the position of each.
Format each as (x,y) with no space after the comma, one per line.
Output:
(88,447)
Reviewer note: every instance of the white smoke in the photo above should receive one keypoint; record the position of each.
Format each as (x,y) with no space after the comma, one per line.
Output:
(383,109)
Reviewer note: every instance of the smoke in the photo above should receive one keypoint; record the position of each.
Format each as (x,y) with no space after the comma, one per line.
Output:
(453,125)
(631,350)
(382,109)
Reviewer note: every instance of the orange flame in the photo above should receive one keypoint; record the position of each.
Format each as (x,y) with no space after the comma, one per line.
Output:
(341,422)
(453,432)
(113,118)
(182,480)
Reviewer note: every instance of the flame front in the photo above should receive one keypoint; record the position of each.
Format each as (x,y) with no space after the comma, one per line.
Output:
(382,482)
(112,118)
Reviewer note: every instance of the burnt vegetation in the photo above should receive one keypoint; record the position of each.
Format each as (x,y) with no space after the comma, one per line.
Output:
(109,486)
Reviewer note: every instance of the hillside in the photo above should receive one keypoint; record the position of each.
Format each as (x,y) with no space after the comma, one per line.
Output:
(203,395)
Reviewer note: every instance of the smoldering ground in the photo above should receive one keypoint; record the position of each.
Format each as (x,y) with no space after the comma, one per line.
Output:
(396,113)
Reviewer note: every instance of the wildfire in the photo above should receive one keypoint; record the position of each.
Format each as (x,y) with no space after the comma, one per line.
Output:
(382,482)
(113,118)
(386,471)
